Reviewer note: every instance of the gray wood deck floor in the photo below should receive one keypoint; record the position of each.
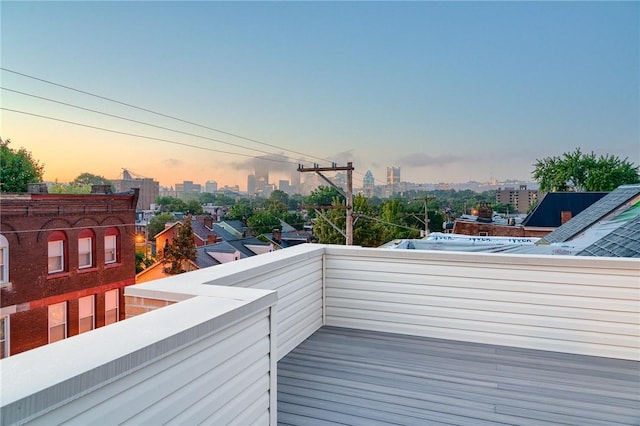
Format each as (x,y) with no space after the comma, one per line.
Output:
(355,377)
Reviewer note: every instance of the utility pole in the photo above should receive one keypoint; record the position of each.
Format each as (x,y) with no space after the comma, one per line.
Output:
(426,214)
(348,196)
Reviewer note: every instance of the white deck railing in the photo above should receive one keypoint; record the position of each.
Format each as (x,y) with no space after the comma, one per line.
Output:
(212,357)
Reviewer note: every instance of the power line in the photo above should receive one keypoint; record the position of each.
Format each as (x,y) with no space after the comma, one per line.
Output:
(157,113)
(143,136)
(135,121)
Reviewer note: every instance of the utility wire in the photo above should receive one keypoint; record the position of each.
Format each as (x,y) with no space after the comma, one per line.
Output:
(144,137)
(166,116)
(136,121)
(158,113)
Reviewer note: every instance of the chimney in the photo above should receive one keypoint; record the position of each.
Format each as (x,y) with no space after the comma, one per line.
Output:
(565,216)
(277,236)
(101,189)
(37,188)
(208,221)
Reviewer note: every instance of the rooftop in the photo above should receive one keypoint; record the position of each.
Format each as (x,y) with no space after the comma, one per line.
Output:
(363,335)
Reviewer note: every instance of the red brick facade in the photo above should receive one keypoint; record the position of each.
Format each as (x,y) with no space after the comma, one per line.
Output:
(28,222)
(493,230)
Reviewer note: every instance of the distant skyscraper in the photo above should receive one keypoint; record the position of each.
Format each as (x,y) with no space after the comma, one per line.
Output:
(211,186)
(251,185)
(369,184)
(296,187)
(393,175)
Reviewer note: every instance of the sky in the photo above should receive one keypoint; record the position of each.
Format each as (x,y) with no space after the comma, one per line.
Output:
(447,91)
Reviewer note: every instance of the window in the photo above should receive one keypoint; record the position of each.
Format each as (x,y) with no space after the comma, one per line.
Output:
(85,252)
(4,334)
(85,314)
(111,307)
(57,322)
(110,249)
(56,256)
(57,248)
(4,260)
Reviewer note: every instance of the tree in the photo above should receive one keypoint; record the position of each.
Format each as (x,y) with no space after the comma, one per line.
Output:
(241,210)
(91,179)
(181,249)
(171,204)
(193,207)
(263,222)
(17,168)
(577,171)
(158,222)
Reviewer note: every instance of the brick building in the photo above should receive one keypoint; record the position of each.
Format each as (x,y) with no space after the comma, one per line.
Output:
(65,260)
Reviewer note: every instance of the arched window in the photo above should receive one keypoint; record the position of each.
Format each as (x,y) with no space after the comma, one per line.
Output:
(85,248)
(4,260)
(111,243)
(57,252)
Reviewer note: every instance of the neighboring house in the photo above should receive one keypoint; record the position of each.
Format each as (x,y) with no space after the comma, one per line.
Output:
(557,208)
(64,262)
(202,235)
(554,209)
(211,255)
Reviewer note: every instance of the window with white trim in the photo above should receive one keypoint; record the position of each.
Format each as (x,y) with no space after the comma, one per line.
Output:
(110,249)
(4,260)
(86,317)
(56,256)
(4,337)
(57,321)
(111,306)
(85,252)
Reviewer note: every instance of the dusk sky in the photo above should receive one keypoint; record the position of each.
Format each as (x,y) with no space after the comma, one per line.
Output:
(450,92)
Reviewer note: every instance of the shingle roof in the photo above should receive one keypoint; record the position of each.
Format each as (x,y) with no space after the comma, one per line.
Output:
(548,211)
(621,242)
(593,213)
(201,230)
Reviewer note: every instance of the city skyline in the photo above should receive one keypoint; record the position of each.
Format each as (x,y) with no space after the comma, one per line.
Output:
(448,92)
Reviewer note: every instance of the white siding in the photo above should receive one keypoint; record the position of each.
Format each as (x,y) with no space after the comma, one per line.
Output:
(296,274)
(211,370)
(571,304)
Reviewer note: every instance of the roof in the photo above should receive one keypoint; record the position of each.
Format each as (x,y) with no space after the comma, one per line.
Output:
(226,231)
(349,376)
(201,230)
(621,242)
(241,245)
(593,213)
(548,211)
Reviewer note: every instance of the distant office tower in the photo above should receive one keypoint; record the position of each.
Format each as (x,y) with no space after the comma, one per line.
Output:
(393,175)
(296,187)
(369,184)
(251,185)
(284,186)
(187,190)
(211,186)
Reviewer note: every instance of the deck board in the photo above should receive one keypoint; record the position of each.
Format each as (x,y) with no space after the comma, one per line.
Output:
(348,376)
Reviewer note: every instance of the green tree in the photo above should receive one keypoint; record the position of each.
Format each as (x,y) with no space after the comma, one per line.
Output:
(17,168)
(171,204)
(91,179)
(181,249)
(241,210)
(193,207)
(69,188)
(158,222)
(322,196)
(263,222)
(577,171)
(367,230)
